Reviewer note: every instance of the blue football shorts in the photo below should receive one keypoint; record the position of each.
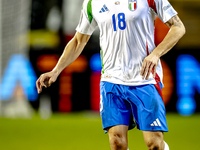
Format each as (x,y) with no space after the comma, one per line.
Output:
(132,105)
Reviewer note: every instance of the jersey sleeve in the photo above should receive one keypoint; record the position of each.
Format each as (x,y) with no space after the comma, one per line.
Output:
(87,23)
(163,9)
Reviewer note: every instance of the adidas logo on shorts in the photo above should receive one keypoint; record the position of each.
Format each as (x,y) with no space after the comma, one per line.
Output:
(156,123)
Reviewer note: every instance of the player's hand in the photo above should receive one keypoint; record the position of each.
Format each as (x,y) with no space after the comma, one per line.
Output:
(45,80)
(149,63)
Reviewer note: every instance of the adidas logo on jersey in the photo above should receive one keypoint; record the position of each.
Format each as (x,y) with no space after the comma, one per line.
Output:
(104,9)
(156,123)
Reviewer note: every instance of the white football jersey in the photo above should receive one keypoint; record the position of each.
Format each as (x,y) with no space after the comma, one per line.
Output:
(126,35)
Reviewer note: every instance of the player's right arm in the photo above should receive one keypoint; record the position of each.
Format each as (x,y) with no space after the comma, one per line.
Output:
(85,28)
(72,50)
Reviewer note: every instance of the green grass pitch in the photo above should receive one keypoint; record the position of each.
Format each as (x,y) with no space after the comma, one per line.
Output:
(83,131)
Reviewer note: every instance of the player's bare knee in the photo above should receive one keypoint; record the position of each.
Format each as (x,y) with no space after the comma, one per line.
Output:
(154,140)
(154,145)
(116,138)
(119,141)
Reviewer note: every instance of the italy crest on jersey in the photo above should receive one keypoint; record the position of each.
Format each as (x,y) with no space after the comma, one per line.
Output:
(132,5)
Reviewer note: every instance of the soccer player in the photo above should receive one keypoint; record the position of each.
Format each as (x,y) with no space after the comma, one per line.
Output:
(131,83)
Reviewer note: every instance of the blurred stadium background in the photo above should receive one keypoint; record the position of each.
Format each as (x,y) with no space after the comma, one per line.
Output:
(33,34)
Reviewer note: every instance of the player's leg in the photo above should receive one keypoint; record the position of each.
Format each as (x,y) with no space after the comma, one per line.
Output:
(115,114)
(154,140)
(118,137)
(149,113)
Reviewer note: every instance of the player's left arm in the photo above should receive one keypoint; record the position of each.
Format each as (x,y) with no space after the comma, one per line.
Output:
(177,30)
